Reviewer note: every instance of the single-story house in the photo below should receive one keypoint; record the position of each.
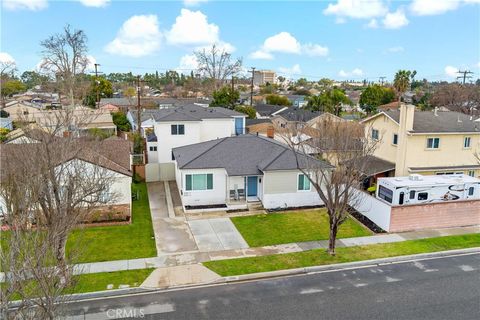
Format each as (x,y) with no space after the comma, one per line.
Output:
(232,171)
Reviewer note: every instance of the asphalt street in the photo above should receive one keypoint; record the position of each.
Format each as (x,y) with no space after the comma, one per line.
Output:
(439,288)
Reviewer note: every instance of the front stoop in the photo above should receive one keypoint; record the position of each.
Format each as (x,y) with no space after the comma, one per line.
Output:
(193,274)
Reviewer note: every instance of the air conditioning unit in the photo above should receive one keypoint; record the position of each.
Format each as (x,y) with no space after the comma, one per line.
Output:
(416,177)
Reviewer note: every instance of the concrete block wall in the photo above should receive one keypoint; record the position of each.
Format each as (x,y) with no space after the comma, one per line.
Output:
(435,215)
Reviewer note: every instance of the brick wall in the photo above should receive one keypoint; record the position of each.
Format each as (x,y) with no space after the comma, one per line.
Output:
(435,215)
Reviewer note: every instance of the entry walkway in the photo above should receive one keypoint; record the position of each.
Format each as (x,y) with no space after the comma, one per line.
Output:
(194,257)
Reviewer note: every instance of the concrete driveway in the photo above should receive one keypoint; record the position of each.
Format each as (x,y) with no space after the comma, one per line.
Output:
(216,234)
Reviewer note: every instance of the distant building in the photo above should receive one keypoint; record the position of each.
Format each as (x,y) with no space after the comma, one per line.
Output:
(262,77)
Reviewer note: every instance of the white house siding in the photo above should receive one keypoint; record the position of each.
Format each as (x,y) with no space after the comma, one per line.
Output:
(205,197)
(212,129)
(167,141)
(280,191)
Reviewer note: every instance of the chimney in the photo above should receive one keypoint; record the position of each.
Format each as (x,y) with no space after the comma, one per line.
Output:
(66,134)
(270,132)
(407,114)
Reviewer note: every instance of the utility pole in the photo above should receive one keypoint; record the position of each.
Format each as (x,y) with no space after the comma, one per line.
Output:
(464,77)
(382,79)
(97,85)
(139,121)
(233,84)
(251,87)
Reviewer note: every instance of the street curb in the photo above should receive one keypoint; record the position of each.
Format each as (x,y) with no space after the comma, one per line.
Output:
(273,274)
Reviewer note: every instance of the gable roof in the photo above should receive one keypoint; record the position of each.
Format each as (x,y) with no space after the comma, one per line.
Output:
(299,114)
(242,155)
(268,110)
(443,121)
(190,112)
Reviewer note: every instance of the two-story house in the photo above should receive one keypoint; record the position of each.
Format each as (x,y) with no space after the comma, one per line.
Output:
(426,142)
(184,125)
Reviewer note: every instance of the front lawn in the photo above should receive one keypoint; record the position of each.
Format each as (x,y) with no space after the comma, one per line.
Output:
(100,281)
(132,241)
(296,226)
(232,267)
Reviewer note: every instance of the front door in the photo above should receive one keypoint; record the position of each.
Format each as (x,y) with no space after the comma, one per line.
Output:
(252,186)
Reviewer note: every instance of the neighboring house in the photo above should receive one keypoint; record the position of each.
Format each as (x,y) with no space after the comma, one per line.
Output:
(21,111)
(299,116)
(298,101)
(6,123)
(184,125)
(112,154)
(426,142)
(263,127)
(262,77)
(232,171)
(267,111)
(389,106)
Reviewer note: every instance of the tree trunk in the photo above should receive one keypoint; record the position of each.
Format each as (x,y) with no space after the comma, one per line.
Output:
(332,239)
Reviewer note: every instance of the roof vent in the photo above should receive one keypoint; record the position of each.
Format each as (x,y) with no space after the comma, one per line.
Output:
(415,177)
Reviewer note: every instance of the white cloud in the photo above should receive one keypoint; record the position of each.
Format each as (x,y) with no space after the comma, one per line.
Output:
(373,24)
(187,63)
(95,3)
(451,71)
(396,49)
(91,63)
(294,70)
(359,9)
(139,36)
(261,55)
(221,45)
(284,42)
(192,28)
(432,7)
(355,72)
(395,20)
(193,3)
(315,50)
(6,58)
(25,4)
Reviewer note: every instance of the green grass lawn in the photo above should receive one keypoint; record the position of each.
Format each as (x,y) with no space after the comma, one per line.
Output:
(296,226)
(99,281)
(316,257)
(132,241)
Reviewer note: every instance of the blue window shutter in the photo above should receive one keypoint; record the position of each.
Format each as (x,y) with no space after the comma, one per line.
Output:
(188,182)
(209,181)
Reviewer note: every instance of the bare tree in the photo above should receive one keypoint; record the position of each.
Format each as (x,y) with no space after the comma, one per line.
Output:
(47,188)
(457,97)
(345,145)
(217,64)
(65,55)
(7,67)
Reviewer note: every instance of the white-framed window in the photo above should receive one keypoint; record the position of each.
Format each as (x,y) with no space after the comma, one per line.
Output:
(375,134)
(153,148)
(467,142)
(433,143)
(177,129)
(199,182)
(303,183)
(395,139)
(105,197)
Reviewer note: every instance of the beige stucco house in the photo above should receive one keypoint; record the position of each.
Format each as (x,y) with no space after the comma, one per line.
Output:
(426,142)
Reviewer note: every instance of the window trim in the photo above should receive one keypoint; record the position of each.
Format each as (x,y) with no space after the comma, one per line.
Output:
(433,143)
(378,134)
(298,182)
(191,184)
(393,139)
(177,127)
(469,142)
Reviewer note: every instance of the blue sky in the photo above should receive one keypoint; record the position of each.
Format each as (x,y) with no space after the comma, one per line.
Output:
(346,39)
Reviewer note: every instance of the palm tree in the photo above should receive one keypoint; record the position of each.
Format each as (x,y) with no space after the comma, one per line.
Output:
(401,82)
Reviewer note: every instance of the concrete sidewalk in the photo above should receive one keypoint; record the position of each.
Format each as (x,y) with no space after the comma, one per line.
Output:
(195,256)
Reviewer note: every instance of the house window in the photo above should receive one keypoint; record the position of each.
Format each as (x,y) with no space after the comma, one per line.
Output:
(303,183)
(375,134)
(467,142)
(198,182)
(178,129)
(471,173)
(423,196)
(153,148)
(433,143)
(105,197)
(412,194)
(470,191)
(395,139)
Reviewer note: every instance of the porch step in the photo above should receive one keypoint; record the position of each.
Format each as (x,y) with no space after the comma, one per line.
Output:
(253,206)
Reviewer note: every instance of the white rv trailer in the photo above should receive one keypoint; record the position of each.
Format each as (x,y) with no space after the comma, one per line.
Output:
(416,189)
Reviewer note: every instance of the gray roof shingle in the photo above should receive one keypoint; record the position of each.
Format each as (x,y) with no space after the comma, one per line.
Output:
(299,114)
(242,155)
(444,121)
